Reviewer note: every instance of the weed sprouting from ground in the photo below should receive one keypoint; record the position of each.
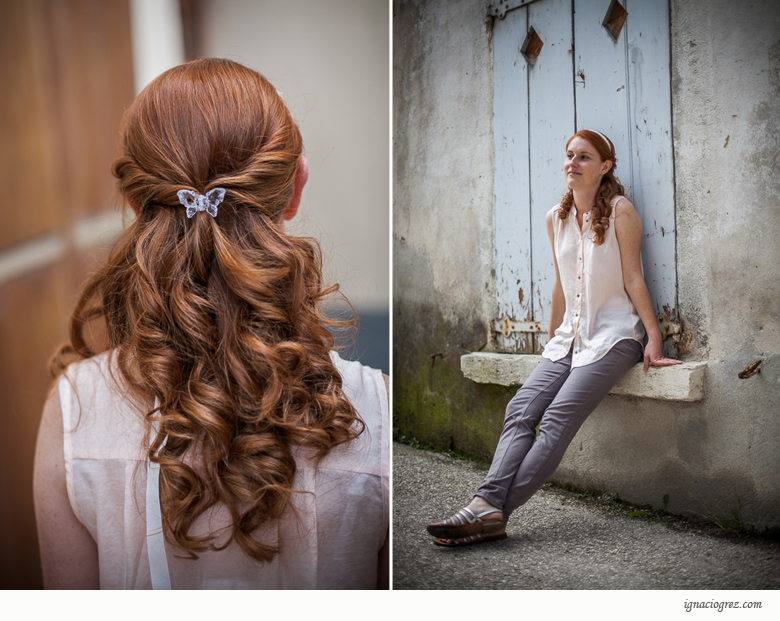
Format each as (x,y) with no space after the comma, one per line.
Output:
(730,525)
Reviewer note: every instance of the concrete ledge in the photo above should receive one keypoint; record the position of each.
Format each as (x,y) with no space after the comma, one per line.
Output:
(682,382)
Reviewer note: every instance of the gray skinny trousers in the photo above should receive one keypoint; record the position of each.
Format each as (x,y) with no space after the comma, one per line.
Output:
(561,398)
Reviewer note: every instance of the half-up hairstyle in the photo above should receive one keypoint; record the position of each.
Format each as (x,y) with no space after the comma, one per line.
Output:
(609,188)
(218,318)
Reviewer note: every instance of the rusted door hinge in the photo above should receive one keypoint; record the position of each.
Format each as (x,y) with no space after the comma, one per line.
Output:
(499,8)
(506,326)
(669,328)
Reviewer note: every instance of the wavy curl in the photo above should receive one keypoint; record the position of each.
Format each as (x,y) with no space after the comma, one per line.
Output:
(609,188)
(218,318)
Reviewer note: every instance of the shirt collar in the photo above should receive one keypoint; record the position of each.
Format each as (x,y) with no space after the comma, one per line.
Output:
(585,216)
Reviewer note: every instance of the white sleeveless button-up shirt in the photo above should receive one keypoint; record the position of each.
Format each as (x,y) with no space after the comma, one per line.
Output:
(331,541)
(599,311)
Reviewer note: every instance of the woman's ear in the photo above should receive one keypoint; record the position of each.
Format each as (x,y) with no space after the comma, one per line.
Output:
(133,205)
(301,177)
(607,166)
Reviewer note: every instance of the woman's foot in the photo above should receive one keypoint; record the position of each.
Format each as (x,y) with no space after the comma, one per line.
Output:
(478,518)
(480,505)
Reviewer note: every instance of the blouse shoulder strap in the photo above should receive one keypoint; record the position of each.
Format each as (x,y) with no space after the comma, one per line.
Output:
(155,538)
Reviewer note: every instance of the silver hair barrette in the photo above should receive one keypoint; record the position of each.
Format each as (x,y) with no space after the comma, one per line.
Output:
(198,202)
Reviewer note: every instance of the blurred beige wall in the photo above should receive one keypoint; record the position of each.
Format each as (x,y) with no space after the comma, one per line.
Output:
(330,59)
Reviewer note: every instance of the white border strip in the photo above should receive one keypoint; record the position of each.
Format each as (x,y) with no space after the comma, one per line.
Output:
(98,231)
(31,256)
(91,232)
(158,38)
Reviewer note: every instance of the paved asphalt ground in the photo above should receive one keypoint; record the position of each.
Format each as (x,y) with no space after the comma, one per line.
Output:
(560,541)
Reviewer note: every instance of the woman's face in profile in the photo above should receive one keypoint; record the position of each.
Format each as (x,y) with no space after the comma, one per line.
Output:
(583,167)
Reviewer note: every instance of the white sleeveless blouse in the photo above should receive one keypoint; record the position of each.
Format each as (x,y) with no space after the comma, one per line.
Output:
(599,311)
(342,508)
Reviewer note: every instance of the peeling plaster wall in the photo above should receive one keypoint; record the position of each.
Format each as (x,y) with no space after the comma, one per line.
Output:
(443,146)
(442,222)
(712,457)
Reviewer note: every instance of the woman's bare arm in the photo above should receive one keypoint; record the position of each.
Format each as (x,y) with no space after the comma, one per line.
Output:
(69,555)
(558,300)
(383,566)
(628,229)
(383,573)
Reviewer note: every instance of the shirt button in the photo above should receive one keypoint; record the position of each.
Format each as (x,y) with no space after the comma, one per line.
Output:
(578,295)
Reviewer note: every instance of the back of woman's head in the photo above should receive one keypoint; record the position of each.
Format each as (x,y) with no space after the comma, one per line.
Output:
(609,187)
(207,123)
(218,317)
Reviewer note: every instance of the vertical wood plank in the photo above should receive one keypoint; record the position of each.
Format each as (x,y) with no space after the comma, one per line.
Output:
(601,81)
(26,163)
(68,76)
(88,56)
(32,322)
(551,114)
(653,192)
(512,209)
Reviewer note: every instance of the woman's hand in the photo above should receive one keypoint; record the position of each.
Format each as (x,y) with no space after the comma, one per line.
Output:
(628,229)
(654,354)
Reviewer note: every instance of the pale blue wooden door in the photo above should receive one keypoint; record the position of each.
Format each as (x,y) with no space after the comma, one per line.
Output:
(582,78)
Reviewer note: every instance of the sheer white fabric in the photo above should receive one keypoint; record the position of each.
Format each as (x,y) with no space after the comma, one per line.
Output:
(342,505)
(599,311)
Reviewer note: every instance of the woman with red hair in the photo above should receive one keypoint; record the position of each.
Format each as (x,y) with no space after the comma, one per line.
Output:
(212,438)
(601,311)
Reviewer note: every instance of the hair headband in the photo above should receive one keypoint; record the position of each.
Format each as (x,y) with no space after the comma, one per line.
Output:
(610,146)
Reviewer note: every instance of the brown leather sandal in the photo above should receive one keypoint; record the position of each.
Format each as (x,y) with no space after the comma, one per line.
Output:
(464,523)
(467,541)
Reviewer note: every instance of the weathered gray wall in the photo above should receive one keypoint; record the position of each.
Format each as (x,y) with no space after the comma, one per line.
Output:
(442,222)
(709,457)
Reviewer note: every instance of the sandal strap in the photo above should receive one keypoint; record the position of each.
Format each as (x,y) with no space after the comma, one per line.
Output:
(479,516)
(464,516)
(474,538)
(467,516)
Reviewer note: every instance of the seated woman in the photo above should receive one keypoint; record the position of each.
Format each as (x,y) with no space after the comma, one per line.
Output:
(601,310)
(214,440)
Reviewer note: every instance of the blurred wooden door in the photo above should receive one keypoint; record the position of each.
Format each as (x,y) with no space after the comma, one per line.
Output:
(66,68)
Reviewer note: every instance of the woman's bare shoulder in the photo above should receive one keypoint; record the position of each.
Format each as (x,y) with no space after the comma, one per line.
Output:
(628,223)
(623,207)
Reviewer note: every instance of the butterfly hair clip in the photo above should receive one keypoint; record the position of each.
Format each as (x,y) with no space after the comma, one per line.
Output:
(198,202)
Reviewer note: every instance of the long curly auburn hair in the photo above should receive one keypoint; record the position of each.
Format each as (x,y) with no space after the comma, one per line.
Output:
(218,319)
(609,188)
